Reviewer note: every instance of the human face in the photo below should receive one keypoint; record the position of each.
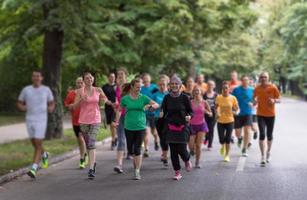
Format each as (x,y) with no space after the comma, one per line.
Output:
(197,92)
(79,83)
(136,88)
(245,81)
(121,76)
(162,85)
(88,80)
(225,89)
(37,79)
(234,76)
(211,85)
(190,83)
(146,80)
(111,78)
(200,79)
(175,87)
(264,78)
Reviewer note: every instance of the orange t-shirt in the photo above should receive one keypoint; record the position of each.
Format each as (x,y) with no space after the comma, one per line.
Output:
(70,98)
(263,95)
(233,85)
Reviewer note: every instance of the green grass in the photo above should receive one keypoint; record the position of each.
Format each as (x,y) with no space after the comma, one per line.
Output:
(19,154)
(11,118)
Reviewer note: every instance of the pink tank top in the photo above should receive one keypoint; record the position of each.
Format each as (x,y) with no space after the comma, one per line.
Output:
(90,110)
(198,113)
(118,99)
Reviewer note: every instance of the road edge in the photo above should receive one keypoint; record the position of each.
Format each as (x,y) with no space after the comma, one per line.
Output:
(53,160)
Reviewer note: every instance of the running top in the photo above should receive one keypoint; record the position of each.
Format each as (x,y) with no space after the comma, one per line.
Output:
(158,98)
(89,108)
(198,113)
(118,99)
(70,99)
(225,108)
(109,91)
(244,97)
(203,87)
(211,102)
(233,85)
(263,95)
(36,100)
(149,91)
(135,119)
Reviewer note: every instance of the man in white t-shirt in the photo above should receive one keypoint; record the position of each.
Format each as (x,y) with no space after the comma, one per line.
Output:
(36,100)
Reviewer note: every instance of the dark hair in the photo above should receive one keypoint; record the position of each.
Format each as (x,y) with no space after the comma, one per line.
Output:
(38,71)
(125,89)
(134,81)
(86,73)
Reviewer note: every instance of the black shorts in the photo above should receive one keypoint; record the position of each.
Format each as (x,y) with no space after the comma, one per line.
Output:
(76,130)
(150,121)
(110,114)
(241,121)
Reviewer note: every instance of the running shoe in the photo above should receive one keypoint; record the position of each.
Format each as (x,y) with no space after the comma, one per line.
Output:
(45,162)
(156,146)
(222,150)
(137,175)
(205,142)
(209,148)
(165,162)
(188,166)
(192,153)
(177,176)
(91,174)
(94,168)
(249,145)
(263,161)
(82,164)
(119,169)
(146,154)
(255,135)
(227,159)
(268,157)
(32,173)
(244,152)
(240,142)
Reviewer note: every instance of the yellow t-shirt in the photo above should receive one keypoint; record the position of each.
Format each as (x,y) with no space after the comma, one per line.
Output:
(225,105)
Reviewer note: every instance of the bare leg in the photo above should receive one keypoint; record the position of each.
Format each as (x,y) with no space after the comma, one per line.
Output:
(92,157)
(246,138)
(199,141)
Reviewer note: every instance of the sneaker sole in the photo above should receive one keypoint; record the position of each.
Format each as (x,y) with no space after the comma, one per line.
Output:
(118,170)
(177,179)
(31,175)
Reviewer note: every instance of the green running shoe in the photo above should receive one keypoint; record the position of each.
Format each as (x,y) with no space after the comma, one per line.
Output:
(32,173)
(82,164)
(45,162)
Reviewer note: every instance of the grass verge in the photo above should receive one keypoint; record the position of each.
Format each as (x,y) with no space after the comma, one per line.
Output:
(18,154)
(11,118)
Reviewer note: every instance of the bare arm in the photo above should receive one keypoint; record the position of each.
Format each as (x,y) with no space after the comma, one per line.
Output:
(51,106)
(208,109)
(21,106)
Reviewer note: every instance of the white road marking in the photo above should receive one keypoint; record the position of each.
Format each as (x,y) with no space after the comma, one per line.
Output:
(241,164)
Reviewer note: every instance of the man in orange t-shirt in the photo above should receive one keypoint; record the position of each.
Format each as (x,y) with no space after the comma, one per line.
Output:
(266,95)
(200,81)
(69,100)
(234,82)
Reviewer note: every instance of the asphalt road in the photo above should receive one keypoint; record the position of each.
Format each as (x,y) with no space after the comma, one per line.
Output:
(284,178)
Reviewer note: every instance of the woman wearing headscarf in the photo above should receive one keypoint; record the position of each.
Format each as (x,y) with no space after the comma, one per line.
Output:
(177,113)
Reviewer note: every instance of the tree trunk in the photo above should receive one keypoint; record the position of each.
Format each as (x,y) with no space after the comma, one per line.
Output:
(52,56)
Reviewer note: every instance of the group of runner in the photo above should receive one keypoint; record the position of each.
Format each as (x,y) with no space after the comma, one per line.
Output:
(180,117)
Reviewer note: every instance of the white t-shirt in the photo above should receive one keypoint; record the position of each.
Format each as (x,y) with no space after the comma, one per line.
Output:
(36,100)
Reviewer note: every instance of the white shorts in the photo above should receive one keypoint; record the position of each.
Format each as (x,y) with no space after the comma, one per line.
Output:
(37,129)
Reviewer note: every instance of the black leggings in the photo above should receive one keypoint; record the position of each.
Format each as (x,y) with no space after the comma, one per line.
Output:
(266,126)
(209,136)
(134,141)
(162,135)
(225,132)
(176,151)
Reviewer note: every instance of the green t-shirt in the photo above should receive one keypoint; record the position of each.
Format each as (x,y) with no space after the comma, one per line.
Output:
(135,118)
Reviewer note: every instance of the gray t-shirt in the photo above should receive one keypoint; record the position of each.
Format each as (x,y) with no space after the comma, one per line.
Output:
(36,100)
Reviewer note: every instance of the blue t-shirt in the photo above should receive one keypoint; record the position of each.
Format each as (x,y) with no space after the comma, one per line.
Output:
(244,97)
(149,91)
(158,98)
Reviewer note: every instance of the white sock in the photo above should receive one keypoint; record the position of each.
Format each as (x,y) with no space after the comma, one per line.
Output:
(35,166)
(45,155)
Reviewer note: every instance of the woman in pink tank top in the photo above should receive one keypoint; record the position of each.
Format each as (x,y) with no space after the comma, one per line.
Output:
(198,124)
(89,99)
